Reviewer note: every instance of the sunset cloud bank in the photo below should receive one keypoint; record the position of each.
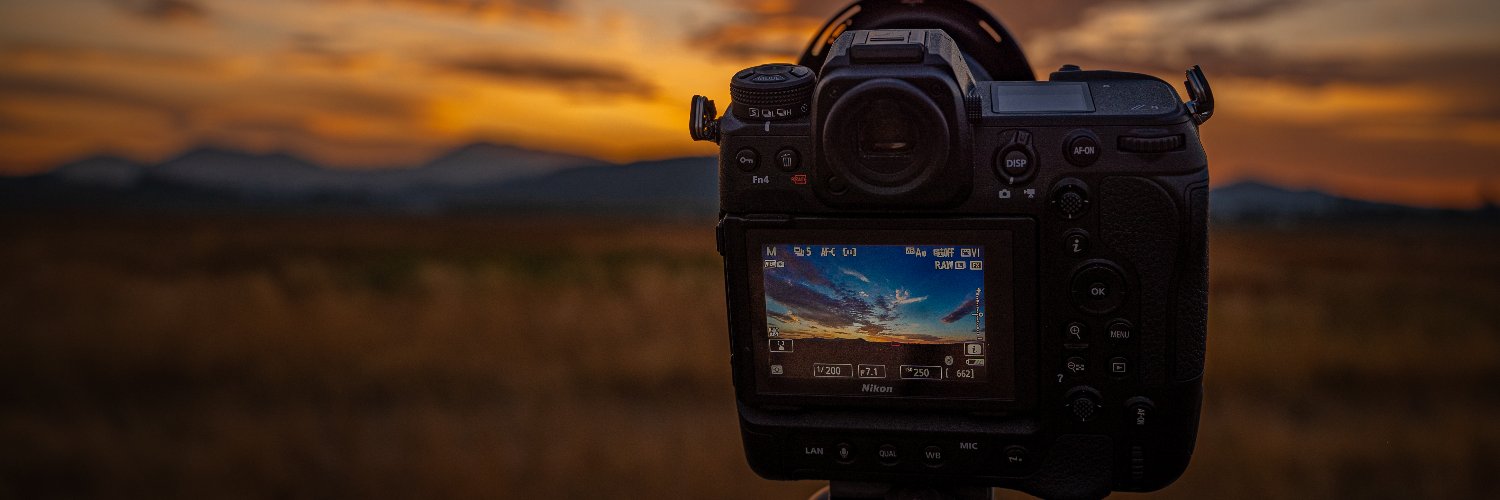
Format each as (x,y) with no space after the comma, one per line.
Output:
(1383,99)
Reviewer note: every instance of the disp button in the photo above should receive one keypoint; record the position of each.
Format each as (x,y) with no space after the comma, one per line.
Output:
(1015,161)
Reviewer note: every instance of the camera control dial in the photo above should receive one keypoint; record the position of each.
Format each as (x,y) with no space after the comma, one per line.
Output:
(771,92)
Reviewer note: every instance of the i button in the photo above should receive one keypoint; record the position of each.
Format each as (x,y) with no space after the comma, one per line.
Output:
(1076,243)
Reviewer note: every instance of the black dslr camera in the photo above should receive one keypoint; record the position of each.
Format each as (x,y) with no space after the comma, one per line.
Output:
(943,274)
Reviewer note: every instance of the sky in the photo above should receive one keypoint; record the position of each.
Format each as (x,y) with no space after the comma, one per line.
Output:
(878,293)
(1383,99)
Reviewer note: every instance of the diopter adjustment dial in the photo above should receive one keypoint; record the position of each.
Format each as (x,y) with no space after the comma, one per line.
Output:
(771,92)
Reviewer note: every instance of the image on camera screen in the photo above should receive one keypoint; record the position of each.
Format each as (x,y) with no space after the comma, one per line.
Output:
(894,312)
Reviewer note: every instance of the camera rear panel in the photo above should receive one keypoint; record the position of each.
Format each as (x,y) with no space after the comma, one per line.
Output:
(1102,180)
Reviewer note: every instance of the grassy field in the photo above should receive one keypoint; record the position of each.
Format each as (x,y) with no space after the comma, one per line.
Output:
(332,357)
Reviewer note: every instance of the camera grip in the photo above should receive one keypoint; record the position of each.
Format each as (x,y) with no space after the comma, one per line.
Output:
(1165,238)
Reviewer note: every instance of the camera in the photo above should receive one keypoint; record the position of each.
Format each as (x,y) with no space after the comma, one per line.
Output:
(939,271)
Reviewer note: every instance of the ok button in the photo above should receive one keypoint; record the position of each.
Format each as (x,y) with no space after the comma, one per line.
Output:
(1098,289)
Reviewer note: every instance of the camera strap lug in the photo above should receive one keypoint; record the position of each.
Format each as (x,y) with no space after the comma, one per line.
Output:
(703,123)
(1201,107)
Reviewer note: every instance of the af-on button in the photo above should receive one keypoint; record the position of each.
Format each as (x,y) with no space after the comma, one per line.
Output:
(1082,149)
(1139,413)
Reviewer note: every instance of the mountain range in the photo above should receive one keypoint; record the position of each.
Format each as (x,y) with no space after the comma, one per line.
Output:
(485,176)
(474,176)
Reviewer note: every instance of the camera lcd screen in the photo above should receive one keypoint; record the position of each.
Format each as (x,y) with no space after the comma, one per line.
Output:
(875,319)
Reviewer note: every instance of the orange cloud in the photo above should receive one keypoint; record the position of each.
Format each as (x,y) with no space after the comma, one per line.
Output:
(164,10)
(1373,104)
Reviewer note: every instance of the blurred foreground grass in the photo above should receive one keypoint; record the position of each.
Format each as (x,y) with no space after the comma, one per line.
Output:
(355,357)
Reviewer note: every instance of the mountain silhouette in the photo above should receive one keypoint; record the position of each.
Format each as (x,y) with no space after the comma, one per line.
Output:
(275,174)
(474,176)
(486,176)
(485,163)
(1258,201)
(104,171)
(676,185)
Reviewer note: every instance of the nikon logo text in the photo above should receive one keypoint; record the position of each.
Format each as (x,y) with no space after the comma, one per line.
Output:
(875,388)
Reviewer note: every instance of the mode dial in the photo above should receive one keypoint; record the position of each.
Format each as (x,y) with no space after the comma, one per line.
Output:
(771,92)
